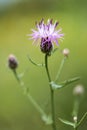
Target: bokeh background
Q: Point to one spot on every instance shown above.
(17, 17)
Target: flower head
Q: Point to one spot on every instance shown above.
(47, 35)
(12, 62)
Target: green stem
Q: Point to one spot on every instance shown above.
(75, 112)
(46, 65)
(16, 75)
(76, 108)
(26, 92)
(35, 104)
(82, 119)
(75, 128)
(60, 69)
(52, 93)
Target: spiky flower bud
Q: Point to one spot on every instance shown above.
(66, 52)
(12, 62)
(46, 45)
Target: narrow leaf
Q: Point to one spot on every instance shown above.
(69, 81)
(66, 122)
(35, 63)
(63, 84)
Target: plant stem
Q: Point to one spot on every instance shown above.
(60, 69)
(76, 108)
(35, 104)
(75, 128)
(82, 119)
(26, 92)
(52, 93)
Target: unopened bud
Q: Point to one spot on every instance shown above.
(46, 46)
(12, 62)
(78, 90)
(75, 118)
(66, 52)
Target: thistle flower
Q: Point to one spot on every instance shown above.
(47, 35)
(12, 62)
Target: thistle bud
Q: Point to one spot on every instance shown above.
(66, 52)
(78, 90)
(46, 46)
(12, 62)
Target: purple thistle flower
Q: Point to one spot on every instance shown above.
(47, 35)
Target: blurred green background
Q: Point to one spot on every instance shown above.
(17, 17)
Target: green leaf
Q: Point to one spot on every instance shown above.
(63, 84)
(34, 62)
(69, 81)
(67, 122)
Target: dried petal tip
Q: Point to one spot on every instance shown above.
(66, 52)
(12, 62)
(78, 90)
